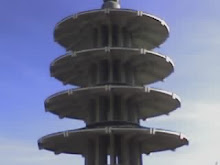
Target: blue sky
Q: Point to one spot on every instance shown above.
(27, 48)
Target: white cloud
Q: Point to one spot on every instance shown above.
(24, 153)
(202, 125)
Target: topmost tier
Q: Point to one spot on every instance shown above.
(111, 27)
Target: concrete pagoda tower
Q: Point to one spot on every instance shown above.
(109, 58)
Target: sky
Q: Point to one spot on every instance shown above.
(27, 48)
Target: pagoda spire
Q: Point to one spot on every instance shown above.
(111, 4)
(110, 59)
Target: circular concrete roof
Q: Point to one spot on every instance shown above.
(74, 32)
(76, 141)
(149, 67)
(75, 103)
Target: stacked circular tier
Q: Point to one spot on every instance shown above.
(109, 58)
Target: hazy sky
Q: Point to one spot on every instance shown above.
(27, 48)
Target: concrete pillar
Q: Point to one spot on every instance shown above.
(92, 116)
(119, 150)
(112, 150)
(109, 35)
(125, 152)
(95, 37)
(132, 154)
(117, 71)
(126, 38)
(116, 36)
(129, 40)
(97, 151)
(132, 77)
(92, 75)
(122, 72)
(90, 154)
(124, 111)
(86, 160)
(100, 151)
(97, 109)
(98, 80)
(138, 154)
(99, 37)
(111, 107)
(135, 153)
(135, 113)
(128, 74)
(104, 108)
(110, 69)
(120, 37)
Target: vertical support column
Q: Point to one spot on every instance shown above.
(95, 37)
(99, 37)
(129, 40)
(117, 71)
(140, 155)
(132, 78)
(130, 110)
(103, 71)
(97, 109)
(120, 37)
(109, 35)
(125, 152)
(110, 69)
(90, 155)
(119, 150)
(104, 108)
(132, 154)
(117, 108)
(115, 36)
(135, 113)
(128, 73)
(97, 155)
(111, 107)
(112, 149)
(92, 74)
(86, 160)
(126, 38)
(98, 73)
(100, 151)
(122, 70)
(124, 111)
(91, 112)
(137, 154)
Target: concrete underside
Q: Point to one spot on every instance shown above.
(132, 103)
(142, 30)
(77, 141)
(142, 66)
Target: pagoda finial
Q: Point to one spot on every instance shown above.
(111, 4)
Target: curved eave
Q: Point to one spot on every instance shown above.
(75, 142)
(149, 66)
(141, 25)
(111, 10)
(74, 103)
